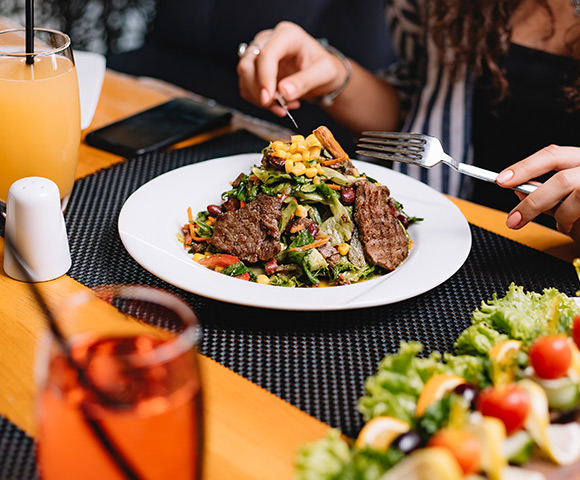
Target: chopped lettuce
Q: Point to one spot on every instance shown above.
(518, 315)
(400, 378)
(332, 459)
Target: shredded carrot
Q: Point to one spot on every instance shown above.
(193, 228)
(252, 178)
(296, 228)
(333, 186)
(314, 244)
(242, 204)
(191, 225)
(333, 161)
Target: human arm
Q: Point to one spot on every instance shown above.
(559, 196)
(296, 65)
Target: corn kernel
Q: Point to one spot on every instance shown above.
(306, 155)
(319, 169)
(310, 172)
(296, 138)
(210, 221)
(292, 148)
(343, 248)
(312, 141)
(316, 180)
(198, 256)
(288, 165)
(263, 279)
(219, 269)
(301, 211)
(297, 157)
(301, 146)
(278, 145)
(280, 153)
(314, 152)
(298, 169)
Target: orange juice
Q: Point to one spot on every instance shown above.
(40, 121)
(152, 412)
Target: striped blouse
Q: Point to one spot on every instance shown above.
(431, 103)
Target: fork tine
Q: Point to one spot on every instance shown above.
(409, 153)
(384, 142)
(385, 156)
(416, 137)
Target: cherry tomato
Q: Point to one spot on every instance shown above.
(463, 445)
(219, 260)
(576, 330)
(551, 356)
(509, 403)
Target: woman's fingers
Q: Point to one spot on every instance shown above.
(559, 196)
(551, 158)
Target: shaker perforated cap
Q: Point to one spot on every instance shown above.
(36, 247)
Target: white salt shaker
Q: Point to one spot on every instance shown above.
(35, 232)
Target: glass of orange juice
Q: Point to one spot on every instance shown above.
(39, 99)
(120, 398)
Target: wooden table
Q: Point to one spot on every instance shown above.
(251, 434)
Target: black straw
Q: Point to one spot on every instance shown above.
(29, 31)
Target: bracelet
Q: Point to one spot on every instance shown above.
(328, 99)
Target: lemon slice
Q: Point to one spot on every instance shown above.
(432, 463)
(574, 370)
(503, 358)
(491, 434)
(560, 442)
(517, 473)
(380, 432)
(435, 388)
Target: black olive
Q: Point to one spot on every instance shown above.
(468, 392)
(407, 442)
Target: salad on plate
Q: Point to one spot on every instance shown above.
(508, 394)
(304, 217)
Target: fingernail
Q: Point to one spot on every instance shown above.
(265, 96)
(513, 220)
(504, 176)
(289, 91)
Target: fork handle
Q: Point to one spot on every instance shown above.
(489, 176)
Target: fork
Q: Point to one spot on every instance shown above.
(423, 150)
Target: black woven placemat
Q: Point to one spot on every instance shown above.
(315, 360)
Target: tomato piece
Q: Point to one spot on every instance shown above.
(509, 403)
(244, 276)
(576, 330)
(551, 356)
(220, 260)
(463, 445)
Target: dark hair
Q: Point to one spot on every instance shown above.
(478, 34)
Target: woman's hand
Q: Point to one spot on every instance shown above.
(290, 62)
(559, 196)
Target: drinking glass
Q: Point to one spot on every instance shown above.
(128, 404)
(39, 99)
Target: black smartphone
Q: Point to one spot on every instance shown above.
(159, 127)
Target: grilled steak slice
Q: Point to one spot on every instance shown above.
(384, 239)
(251, 232)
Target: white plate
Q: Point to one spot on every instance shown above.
(90, 72)
(153, 215)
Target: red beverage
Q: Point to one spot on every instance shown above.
(146, 396)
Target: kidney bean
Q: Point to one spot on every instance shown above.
(313, 229)
(277, 162)
(231, 204)
(347, 195)
(271, 266)
(214, 210)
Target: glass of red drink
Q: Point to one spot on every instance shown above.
(121, 399)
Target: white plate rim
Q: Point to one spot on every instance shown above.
(151, 217)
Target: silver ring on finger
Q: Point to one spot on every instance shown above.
(252, 48)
